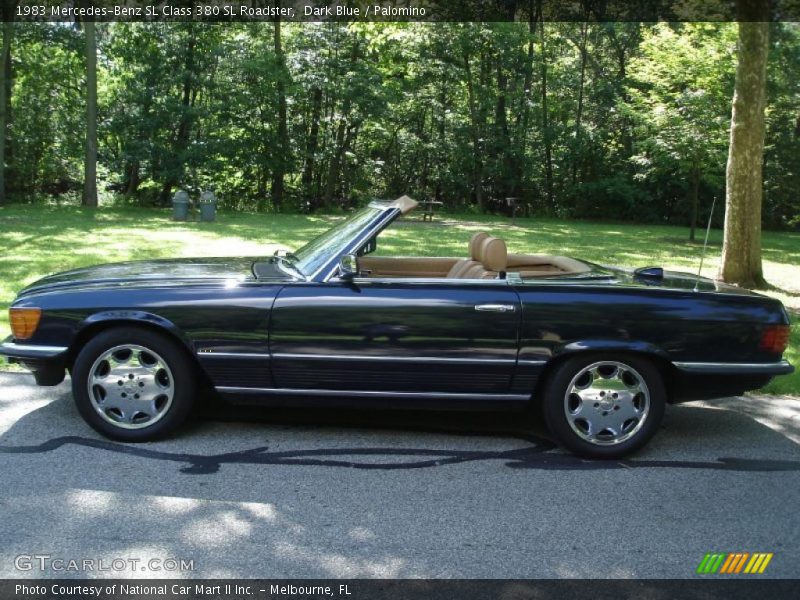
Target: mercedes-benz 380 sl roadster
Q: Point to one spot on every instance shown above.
(599, 350)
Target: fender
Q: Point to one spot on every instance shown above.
(134, 317)
(532, 368)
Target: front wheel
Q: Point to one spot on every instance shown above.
(133, 385)
(604, 407)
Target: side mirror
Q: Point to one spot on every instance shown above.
(348, 267)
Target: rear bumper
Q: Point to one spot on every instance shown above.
(46, 362)
(771, 369)
(706, 381)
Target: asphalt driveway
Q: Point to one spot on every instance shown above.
(314, 494)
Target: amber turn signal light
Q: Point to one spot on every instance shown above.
(775, 338)
(24, 322)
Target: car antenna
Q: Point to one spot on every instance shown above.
(705, 245)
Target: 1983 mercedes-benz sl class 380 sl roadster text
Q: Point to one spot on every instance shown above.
(601, 350)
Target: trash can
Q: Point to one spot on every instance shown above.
(180, 206)
(208, 206)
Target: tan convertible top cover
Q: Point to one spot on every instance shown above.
(404, 203)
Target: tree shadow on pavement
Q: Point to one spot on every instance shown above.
(445, 433)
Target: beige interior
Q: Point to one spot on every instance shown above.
(475, 252)
(406, 266)
(488, 257)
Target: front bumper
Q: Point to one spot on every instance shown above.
(25, 352)
(46, 362)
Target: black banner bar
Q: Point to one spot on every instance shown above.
(392, 10)
(744, 588)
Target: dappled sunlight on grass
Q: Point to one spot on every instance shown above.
(37, 241)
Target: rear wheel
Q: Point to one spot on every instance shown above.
(133, 384)
(604, 407)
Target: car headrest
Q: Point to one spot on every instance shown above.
(494, 255)
(475, 245)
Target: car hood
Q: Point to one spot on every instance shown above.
(150, 272)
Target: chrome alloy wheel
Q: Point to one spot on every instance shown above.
(607, 403)
(131, 386)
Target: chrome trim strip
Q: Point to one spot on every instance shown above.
(428, 280)
(213, 354)
(705, 367)
(432, 359)
(372, 394)
(30, 351)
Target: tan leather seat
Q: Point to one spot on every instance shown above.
(494, 260)
(495, 257)
(475, 245)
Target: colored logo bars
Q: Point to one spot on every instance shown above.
(734, 562)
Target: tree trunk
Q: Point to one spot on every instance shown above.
(741, 250)
(90, 165)
(579, 112)
(278, 173)
(8, 32)
(338, 151)
(346, 170)
(189, 95)
(524, 112)
(334, 167)
(477, 161)
(548, 143)
(312, 143)
(502, 135)
(694, 193)
(8, 68)
(134, 178)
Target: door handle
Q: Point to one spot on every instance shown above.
(495, 307)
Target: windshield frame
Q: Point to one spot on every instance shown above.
(326, 250)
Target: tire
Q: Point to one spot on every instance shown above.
(601, 406)
(133, 385)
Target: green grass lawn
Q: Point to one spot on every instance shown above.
(37, 240)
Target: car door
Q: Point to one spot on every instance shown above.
(394, 335)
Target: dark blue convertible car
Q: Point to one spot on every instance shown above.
(600, 350)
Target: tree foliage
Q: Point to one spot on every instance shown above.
(587, 120)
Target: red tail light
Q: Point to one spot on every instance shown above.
(775, 339)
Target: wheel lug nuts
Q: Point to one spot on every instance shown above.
(614, 395)
(141, 384)
(616, 408)
(119, 382)
(124, 395)
(596, 404)
(136, 396)
(605, 412)
(602, 393)
(130, 376)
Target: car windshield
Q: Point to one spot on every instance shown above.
(319, 251)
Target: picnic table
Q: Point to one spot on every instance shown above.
(513, 204)
(429, 208)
